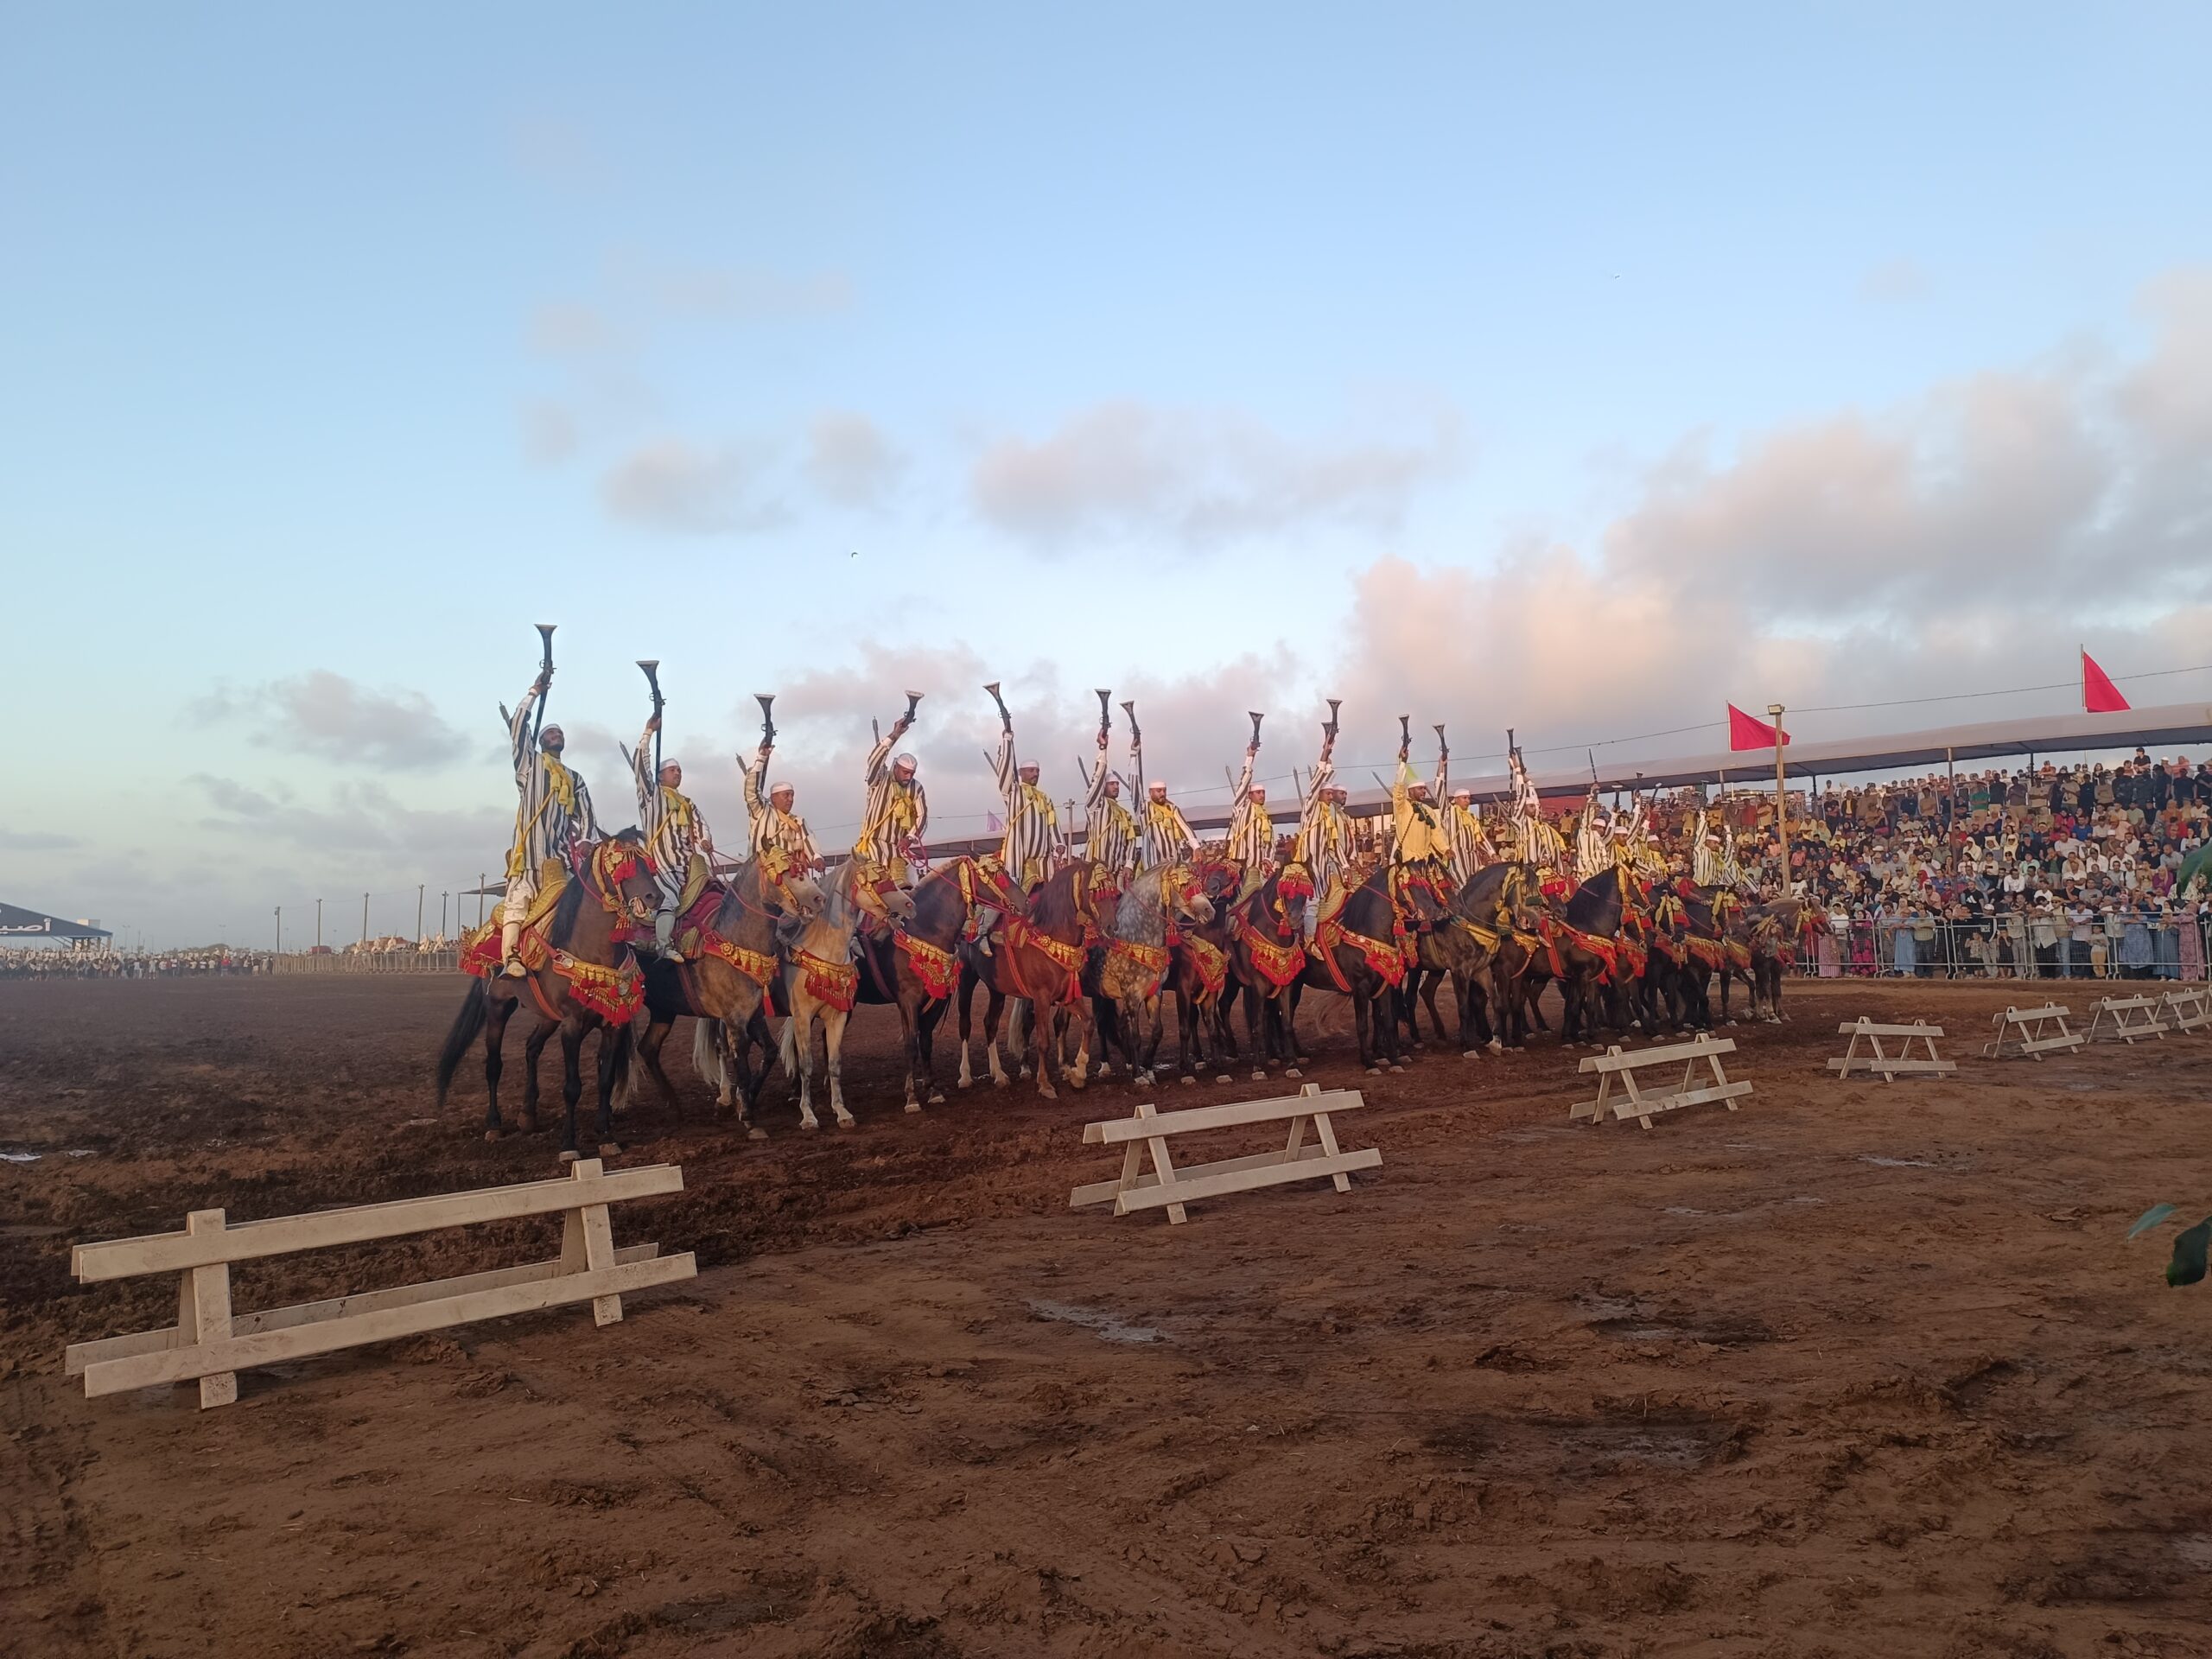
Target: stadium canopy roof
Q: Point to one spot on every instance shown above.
(16, 922)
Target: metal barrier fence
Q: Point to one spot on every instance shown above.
(2005, 947)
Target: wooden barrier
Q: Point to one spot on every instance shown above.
(2023, 1030)
(1167, 1186)
(211, 1343)
(1613, 1064)
(2124, 1019)
(1888, 1065)
(2189, 1008)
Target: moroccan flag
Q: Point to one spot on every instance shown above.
(1746, 733)
(2099, 695)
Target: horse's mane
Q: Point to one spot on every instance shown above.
(1058, 901)
(1596, 903)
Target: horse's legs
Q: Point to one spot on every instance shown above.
(799, 1032)
(533, 1045)
(925, 1042)
(994, 1011)
(611, 1038)
(572, 1080)
(1255, 1033)
(1359, 1020)
(1038, 1038)
(495, 1030)
(964, 993)
(649, 1052)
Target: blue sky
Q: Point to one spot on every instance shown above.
(1233, 355)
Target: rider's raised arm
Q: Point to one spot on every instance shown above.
(519, 732)
(1009, 770)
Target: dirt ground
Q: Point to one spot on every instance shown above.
(1860, 1369)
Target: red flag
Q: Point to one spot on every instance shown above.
(1746, 733)
(2099, 695)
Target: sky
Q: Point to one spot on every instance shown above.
(1577, 370)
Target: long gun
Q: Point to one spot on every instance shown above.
(766, 700)
(545, 669)
(651, 667)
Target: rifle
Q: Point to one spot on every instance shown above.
(537, 720)
(1105, 719)
(767, 717)
(652, 666)
(1330, 730)
(992, 688)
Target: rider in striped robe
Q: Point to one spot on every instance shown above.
(775, 824)
(554, 814)
(676, 840)
(1109, 829)
(1251, 832)
(1033, 829)
(1324, 836)
(897, 809)
(1462, 833)
(1168, 835)
(1593, 847)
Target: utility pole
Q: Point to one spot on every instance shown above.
(318, 924)
(280, 929)
(480, 898)
(441, 914)
(364, 918)
(1780, 796)
(419, 886)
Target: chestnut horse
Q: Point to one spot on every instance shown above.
(915, 967)
(1038, 958)
(1266, 955)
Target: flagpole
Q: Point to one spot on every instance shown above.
(1780, 796)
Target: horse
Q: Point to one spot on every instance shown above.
(1362, 950)
(725, 983)
(1489, 908)
(914, 965)
(1037, 959)
(820, 983)
(1124, 972)
(1714, 944)
(1581, 955)
(1266, 954)
(1769, 928)
(1198, 973)
(586, 979)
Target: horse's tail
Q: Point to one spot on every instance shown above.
(787, 1052)
(466, 1025)
(707, 1052)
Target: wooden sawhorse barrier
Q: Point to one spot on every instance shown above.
(1613, 1064)
(1886, 1066)
(2021, 1031)
(1166, 1186)
(2189, 1008)
(2124, 1019)
(211, 1343)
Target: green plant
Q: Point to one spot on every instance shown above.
(2187, 1267)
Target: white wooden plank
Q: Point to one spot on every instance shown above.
(328, 1335)
(1685, 1097)
(1231, 1115)
(81, 1354)
(1892, 1062)
(2041, 1045)
(1656, 1056)
(1868, 1028)
(2048, 1011)
(280, 1236)
(1107, 1192)
(1244, 1181)
(209, 1320)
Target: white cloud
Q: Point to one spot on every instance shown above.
(326, 714)
(549, 433)
(672, 485)
(849, 461)
(1129, 469)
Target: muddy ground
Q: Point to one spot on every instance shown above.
(1860, 1369)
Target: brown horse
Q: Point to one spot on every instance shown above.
(1363, 951)
(1266, 955)
(1127, 968)
(1038, 958)
(1716, 940)
(725, 984)
(1579, 939)
(1198, 973)
(1471, 945)
(583, 978)
(916, 967)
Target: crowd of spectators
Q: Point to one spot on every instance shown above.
(47, 962)
(2038, 873)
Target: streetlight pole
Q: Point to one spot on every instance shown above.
(318, 924)
(280, 929)
(364, 918)
(479, 899)
(1781, 795)
(419, 886)
(441, 914)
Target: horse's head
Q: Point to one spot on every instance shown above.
(788, 886)
(1185, 892)
(620, 877)
(1418, 894)
(1286, 897)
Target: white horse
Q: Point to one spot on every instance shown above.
(820, 981)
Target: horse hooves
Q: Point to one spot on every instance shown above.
(1293, 1072)
(1188, 1080)
(936, 1096)
(965, 1082)
(1397, 1068)
(1471, 1054)
(1374, 1070)
(913, 1106)
(809, 1124)
(753, 1134)
(610, 1148)
(491, 1137)
(1495, 1046)
(997, 1083)
(1258, 1076)
(571, 1155)
(1048, 1092)
(1224, 1077)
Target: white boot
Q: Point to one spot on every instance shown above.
(663, 934)
(511, 950)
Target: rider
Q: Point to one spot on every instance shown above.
(676, 840)
(1463, 831)
(1168, 837)
(1109, 829)
(553, 815)
(1033, 829)
(1593, 848)
(1325, 836)
(1251, 832)
(1418, 836)
(775, 824)
(897, 809)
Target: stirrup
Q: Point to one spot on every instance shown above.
(513, 968)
